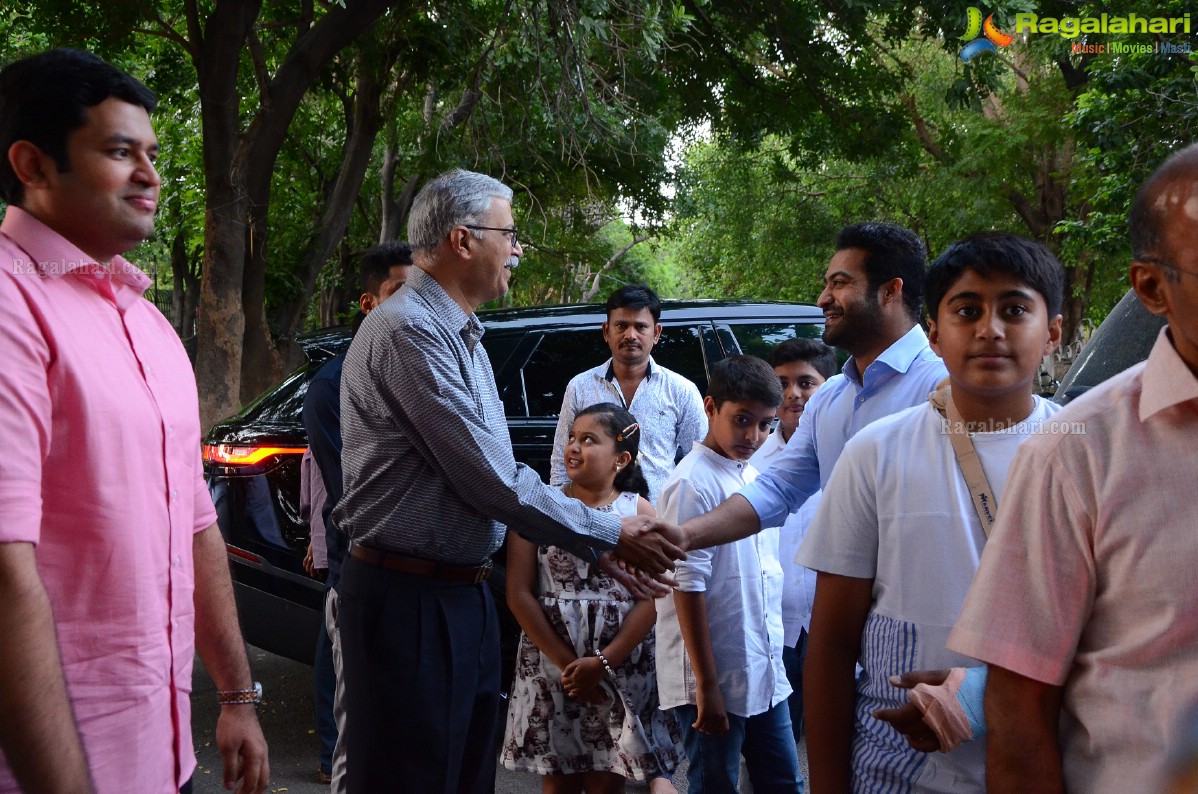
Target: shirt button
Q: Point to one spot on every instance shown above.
(178, 561)
(174, 494)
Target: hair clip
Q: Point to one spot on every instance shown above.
(628, 432)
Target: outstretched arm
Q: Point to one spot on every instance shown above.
(38, 733)
(218, 641)
(731, 520)
(651, 545)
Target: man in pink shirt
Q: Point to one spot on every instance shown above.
(1085, 604)
(112, 569)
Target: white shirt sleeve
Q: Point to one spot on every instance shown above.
(680, 501)
(692, 419)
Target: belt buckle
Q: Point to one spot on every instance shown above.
(483, 572)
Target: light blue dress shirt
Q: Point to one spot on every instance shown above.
(900, 378)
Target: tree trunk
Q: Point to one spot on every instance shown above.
(185, 289)
(237, 358)
(339, 205)
(216, 55)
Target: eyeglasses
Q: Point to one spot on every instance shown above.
(1152, 260)
(514, 232)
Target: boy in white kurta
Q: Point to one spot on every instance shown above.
(719, 636)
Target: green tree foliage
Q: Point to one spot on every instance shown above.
(562, 100)
(1137, 109)
(1036, 139)
(296, 133)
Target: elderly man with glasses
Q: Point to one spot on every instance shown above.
(430, 482)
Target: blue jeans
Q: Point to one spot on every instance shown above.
(766, 742)
(792, 660)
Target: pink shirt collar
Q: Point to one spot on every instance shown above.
(1167, 381)
(53, 255)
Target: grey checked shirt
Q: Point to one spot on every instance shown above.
(428, 462)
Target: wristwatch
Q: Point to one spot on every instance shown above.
(240, 697)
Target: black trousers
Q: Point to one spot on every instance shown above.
(421, 683)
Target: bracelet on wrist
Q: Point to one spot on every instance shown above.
(239, 697)
(603, 661)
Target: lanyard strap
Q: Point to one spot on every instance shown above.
(967, 456)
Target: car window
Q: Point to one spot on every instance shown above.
(758, 339)
(560, 355)
(680, 349)
(500, 348)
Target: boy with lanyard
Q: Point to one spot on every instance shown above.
(904, 518)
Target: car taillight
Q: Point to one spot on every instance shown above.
(232, 455)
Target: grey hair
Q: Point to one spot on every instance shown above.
(454, 198)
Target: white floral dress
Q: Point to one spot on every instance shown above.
(549, 732)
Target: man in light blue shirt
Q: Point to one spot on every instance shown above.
(872, 300)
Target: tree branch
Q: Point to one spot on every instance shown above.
(921, 130)
(258, 59)
(593, 290)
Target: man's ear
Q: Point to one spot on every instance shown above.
(29, 163)
(891, 291)
(934, 337)
(460, 241)
(709, 408)
(1148, 280)
(366, 302)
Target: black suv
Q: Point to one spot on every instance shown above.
(252, 461)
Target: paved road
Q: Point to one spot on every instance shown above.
(288, 723)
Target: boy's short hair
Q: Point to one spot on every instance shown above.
(890, 252)
(635, 297)
(744, 378)
(377, 262)
(820, 356)
(998, 252)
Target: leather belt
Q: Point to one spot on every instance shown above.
(401, 563)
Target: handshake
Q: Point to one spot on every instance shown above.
(648, 546)
(645, 554)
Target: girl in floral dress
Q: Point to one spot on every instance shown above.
(584, 712)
